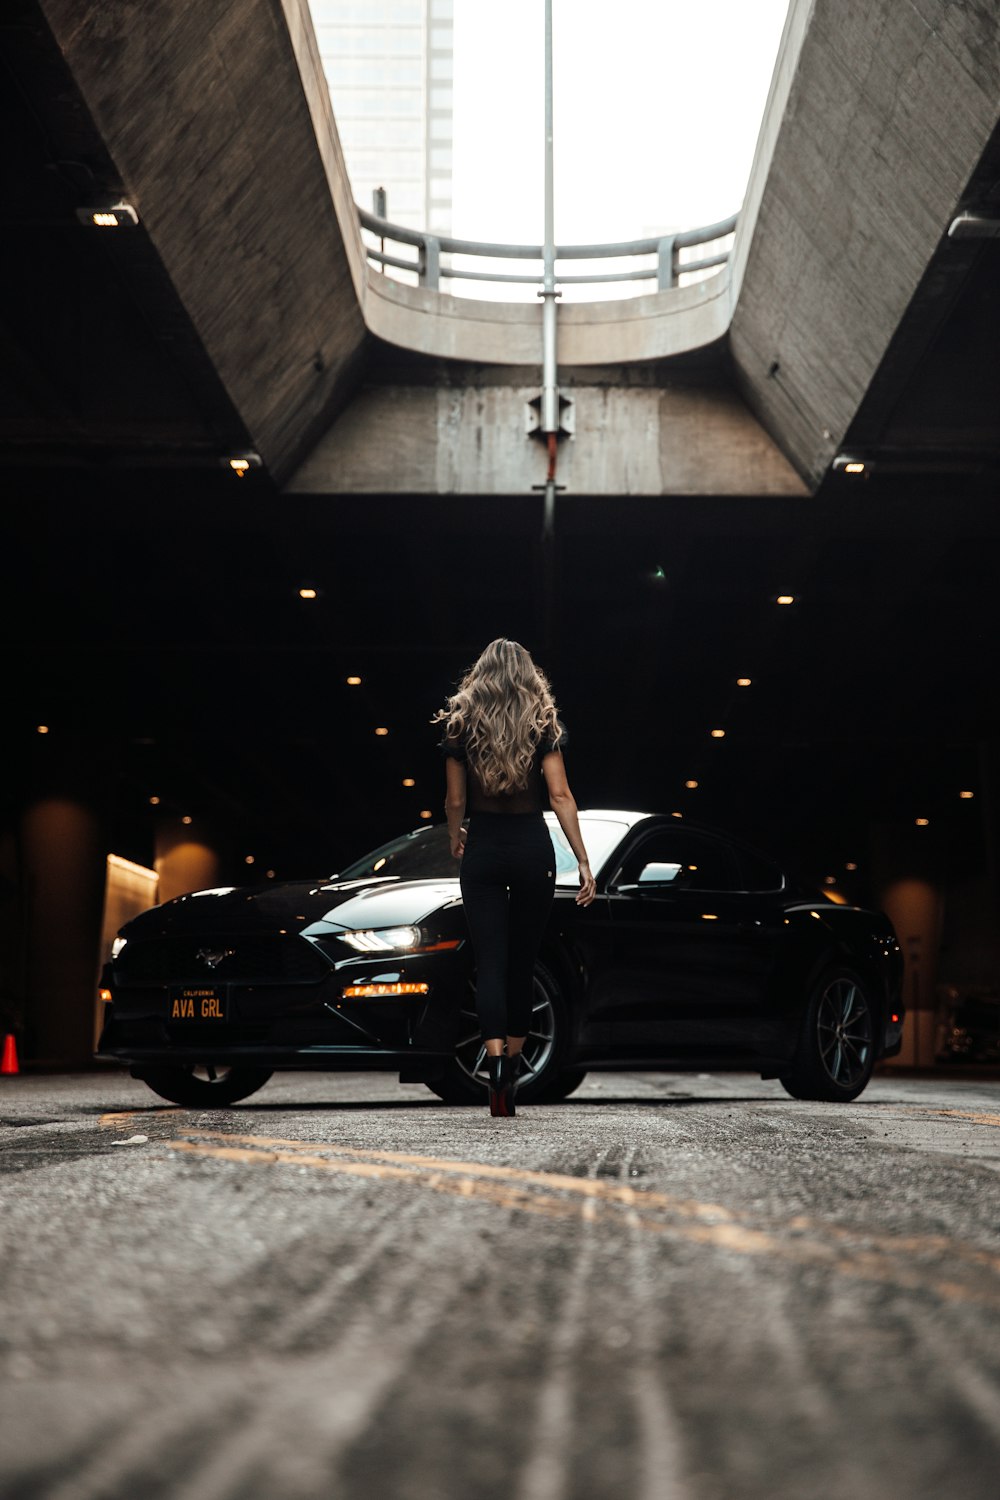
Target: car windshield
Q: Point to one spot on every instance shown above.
(425, 854)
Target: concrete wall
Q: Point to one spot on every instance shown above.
(878, 114)
(204, 112)
(471, 439)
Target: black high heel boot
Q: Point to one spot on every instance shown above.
(513, 1061)
(498, 1067)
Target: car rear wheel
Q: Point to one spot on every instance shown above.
(466, 1078)
(836, 1051)
(207, 1085)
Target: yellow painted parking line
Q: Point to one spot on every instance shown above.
(588, 1187)
(975, 1116)
(879, 1258)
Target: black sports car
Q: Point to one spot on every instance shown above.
(698, 951)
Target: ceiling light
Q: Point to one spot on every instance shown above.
(186, 820)
(966, 796)
(830, 880)
(44, 729)
(308, 594)
(922, 822)
(426, 813)
(850, 865)
(269, 874)
(408, 781)
(743, 681)
(971, 226)
(248, 860)
(785, 599)
(115, 216)
(381, 729)
(848, 463)
(691, 785)
(677, 815)
(240, 463)
(154, 801)
(718, 734)
(353, 681)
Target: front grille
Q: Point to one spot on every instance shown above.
(255, 959)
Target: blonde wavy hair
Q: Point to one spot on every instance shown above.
(505, 707)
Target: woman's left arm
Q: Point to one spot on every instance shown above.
(454, 804)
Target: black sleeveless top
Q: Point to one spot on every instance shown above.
(524, 800)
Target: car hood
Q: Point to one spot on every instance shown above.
(299, 906)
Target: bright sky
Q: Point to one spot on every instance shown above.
(657, 108)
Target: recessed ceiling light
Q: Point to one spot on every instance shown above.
(677, 815)
(850, 865)
(249, 860)
(785, 599)
(408, 781)
(966, 795)
(830, 880)
(381, 729)
(691, 785)
(42, 728)
(154, 801)
(269, 874)
(718, 734)
(186, 820)
(353, 681)
(743, 681)
(308, 594)
(922, 822)
(425, 812)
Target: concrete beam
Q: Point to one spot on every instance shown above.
(470, 439)
(877, 116)
(208, 112)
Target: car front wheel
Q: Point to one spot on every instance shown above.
(466, 1077)
(205, 1085)
(836, 1049)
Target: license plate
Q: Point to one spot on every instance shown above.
(197, 1002)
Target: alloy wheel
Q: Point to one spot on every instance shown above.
(844, 1032)
(470, 1053)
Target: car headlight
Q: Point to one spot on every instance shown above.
(117, 946)
(383, 939)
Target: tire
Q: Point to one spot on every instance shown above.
(464, 1081)
(205, 1086)
(836, 1049)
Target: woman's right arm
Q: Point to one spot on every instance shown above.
(563, 805)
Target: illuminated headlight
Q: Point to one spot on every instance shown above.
(117, 946)
(368, 940)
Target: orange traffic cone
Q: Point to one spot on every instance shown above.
(8, 1064)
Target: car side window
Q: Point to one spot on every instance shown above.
(680, 857)
(759, 874)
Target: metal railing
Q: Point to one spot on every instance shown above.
(430, 270)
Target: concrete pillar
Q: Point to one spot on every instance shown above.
(63, 866)
(916, 908)
(906, 863)
(184, 860)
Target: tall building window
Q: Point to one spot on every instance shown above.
(389, 66)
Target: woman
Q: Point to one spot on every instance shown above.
(502, 739)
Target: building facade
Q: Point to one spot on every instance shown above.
(389, 67)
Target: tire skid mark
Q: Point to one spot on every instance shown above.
(545, 1474)
(602, 1201)
(661, 1470)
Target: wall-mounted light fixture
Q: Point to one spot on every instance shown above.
(111, 216)
(975, 226)
(241, 463)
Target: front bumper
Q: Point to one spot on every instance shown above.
(303, 1025)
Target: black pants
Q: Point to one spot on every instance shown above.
(508, 877)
